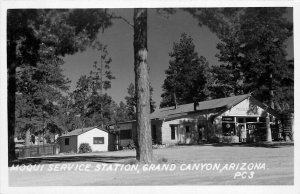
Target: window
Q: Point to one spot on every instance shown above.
(228, 129)
(67, 141)
(98, 140)
(240, 120)
(125, 134)
(187, 129)
(251, 119)
(262, 119)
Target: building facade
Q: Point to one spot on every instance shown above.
(233, 119)
(98, 139)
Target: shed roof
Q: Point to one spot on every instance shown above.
(204, 105)
(80, 131)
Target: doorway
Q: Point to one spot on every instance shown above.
(242, 132)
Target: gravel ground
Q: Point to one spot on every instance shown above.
(180, 165)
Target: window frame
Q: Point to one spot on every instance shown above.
(97, 142)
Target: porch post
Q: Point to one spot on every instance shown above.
(195, 131)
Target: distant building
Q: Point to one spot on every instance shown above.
(99, 139)
(218, 120)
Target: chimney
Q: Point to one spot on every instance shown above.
(196, 104)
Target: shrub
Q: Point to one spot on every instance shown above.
(131, 145)
(85, 148)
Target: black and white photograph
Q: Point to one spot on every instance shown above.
(185, 96)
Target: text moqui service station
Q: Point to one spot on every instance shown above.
(92, 167)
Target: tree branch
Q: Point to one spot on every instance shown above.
(124, 19)
(112, 16)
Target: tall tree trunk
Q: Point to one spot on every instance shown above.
(144, 151)
(11, 100)
(27, 137)
(269, 131)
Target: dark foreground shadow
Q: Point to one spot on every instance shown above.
(258, 144)
(61, 159)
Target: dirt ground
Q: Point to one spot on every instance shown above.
(194, 165)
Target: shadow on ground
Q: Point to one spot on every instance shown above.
(258, 144)
(60, 159)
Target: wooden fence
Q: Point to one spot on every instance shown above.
(37, 150)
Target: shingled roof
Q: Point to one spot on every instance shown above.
(80, 131)
(183, 109)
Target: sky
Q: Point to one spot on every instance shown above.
(162, 33)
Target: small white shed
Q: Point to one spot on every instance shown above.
(99, 139)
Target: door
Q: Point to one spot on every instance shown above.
(251, 128)
(174, 132)
(242, 132)
(188, 130)
(181, 134)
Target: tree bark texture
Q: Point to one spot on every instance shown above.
(11, 100)
(143, 130)
(269, 131)
(27, 137)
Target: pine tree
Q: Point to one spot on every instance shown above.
(253, 54)
(186, 78)
(36, 35)
(90, 104)
(142, 134)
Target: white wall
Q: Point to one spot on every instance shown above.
(180, 136)
(88, 137)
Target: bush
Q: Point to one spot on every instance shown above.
(85, 148)
(131, 145)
